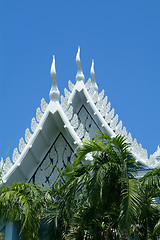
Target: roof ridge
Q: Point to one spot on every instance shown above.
(7, 163)
(102, 107)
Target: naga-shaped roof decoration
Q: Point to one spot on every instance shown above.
(66, 113)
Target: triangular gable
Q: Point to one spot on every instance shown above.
(52, 123)
(60, 127)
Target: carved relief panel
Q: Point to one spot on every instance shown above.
(55, 160)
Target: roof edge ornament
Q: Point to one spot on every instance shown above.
(92, 72)
(79, 75)
(54, 94)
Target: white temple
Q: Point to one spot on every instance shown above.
(63, 124)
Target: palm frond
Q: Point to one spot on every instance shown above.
(130, 204)
(151, 182)
(88, 147)
(156, 231)
(24, 202)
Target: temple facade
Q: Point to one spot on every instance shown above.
(59, 127)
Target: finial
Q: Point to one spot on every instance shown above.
(80, 75)
(54, 92)
(92, 72)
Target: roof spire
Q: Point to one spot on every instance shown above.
(54, 92)
(80, 75)
(92, 72)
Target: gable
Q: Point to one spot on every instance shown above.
(62, 125)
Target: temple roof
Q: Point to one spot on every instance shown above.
(65, 114)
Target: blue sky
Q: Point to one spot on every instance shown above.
(122, 36)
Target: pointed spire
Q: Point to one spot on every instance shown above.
(92, 72)
(54, 92)
(80, 75)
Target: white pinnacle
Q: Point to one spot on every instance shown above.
(54, 92)
(92, 72)
(80, 75)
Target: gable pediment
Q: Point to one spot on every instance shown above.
(65, 123)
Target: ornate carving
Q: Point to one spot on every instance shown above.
(91, 91)
(129, 137)
(89, 125)
(7, 165)
(152, 162)
(103, 111)
(109, 116)
(80, 131)
(95, 97)
(70, 85)
(74, 121)
(108, 107)
(86, 137)
(33, 124)
(111, 113)
(135, 146)
(64, 103)
(145, 153)
(69, 113)
(55, 160)
(124, 132)
(39, 114)
(88, 84)
(156, 154)
(43, 105)
(114, 122)
(22, 144)
(99, 104)
(138, 149)
(101, 95)
(119, 127)
(66, 93)
(15, 155)
(105, 101)
(28, 135)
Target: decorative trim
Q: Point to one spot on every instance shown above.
(7, 165)
(28, 135)
(51, 164)
(70, 85)
(15, 155)
(34, 124)
(43, 105)
(88, 84)
(39, 114)
(22, 144)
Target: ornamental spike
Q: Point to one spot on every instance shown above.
(54, 92)
(80, 75)
(92, 72)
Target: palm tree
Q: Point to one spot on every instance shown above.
(22, 203)
(149, 215)
(97, 199)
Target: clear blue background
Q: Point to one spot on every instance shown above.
(122, 36)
